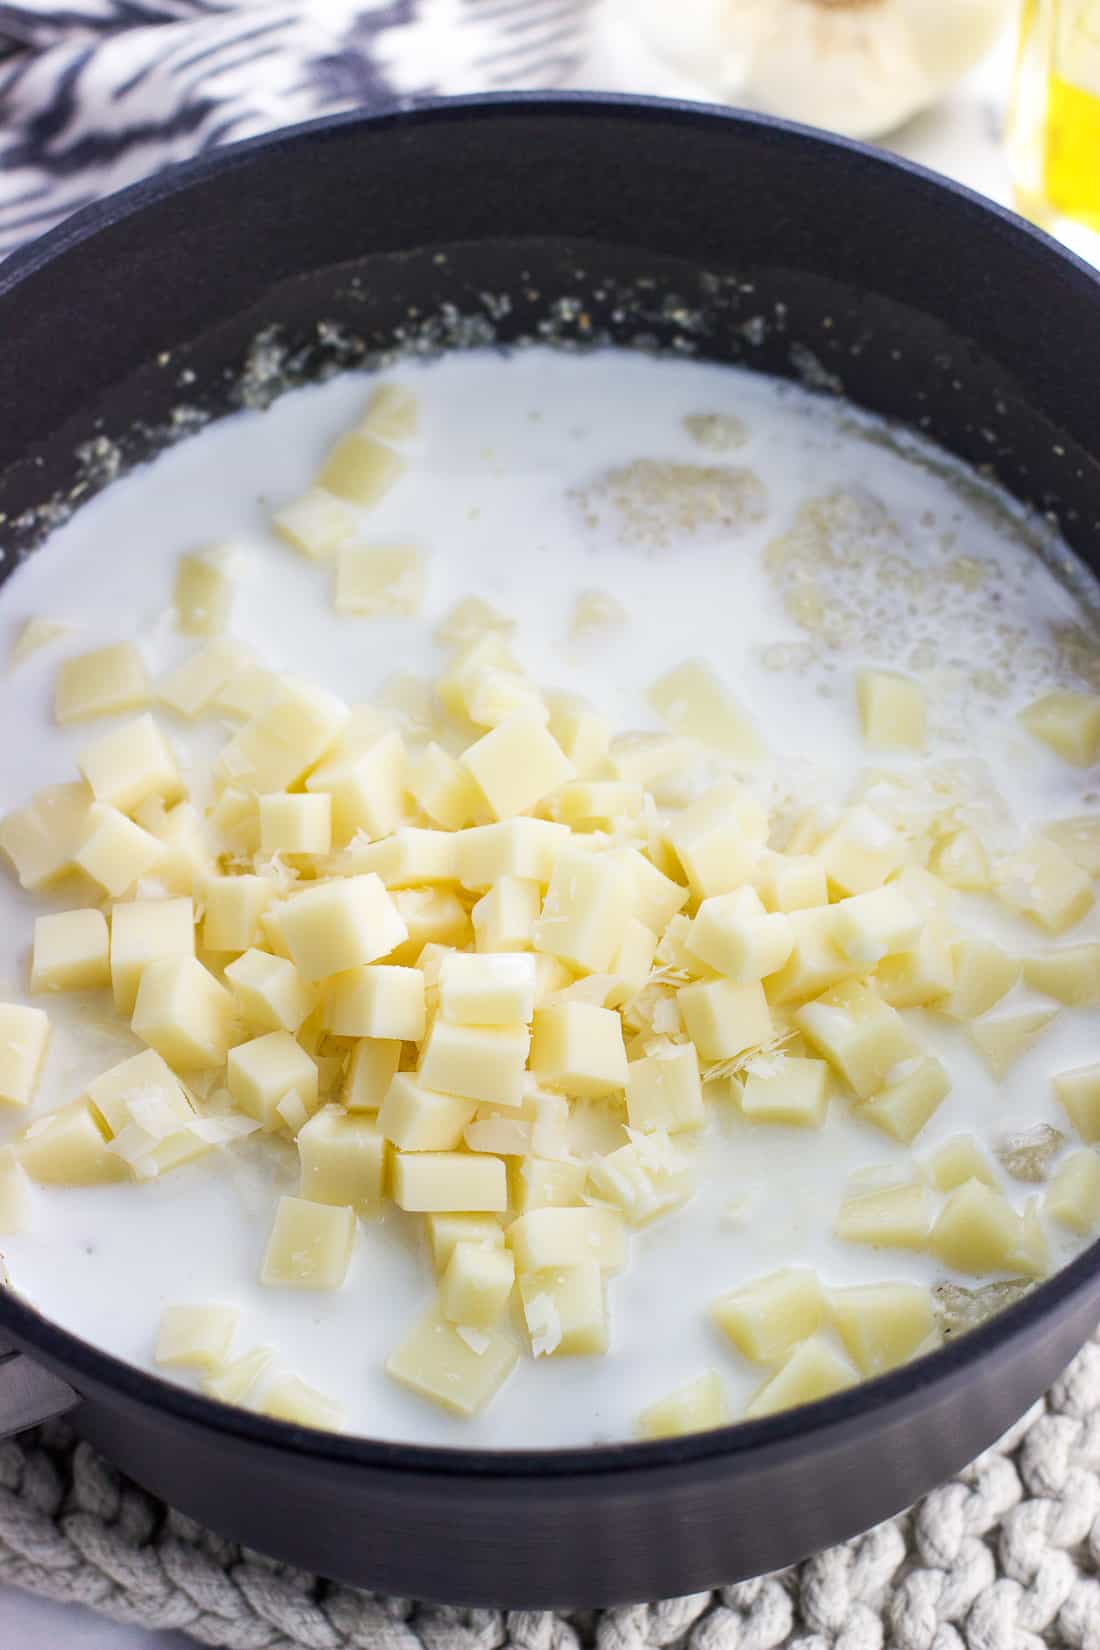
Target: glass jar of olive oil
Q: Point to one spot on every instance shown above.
(1054, 129)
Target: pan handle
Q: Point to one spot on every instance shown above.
(28, 1393)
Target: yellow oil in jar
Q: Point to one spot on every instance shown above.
(1055, 128)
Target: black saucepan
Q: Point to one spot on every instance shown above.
(738, 239)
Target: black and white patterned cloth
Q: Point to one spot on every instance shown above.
(95, 94)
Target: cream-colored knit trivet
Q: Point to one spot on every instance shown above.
(1005, 1557)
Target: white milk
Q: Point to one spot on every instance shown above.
(490, 492)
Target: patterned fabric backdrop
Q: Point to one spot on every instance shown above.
(97, 93)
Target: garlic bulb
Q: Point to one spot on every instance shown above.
(860, 67)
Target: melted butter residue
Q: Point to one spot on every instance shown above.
(654, 504)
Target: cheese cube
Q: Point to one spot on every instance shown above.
(41, 840)
(578, 1049)
(443, 789)
(296, 824)
(795, 1093)
(565, 1311)
(1001, 1039)
(691, 700)
(516, 764)
(642, 758)
(285, 740)
(418, 1119)
(232, 1382)
(663, 1090)
(504, 919)
(582, 735)
(882, 1325)
(116, 852)
(487, 654)
(271, 994)
(697, 1406)
(380, 580)
(437, 1362)
(962, 862)
(360, 469)
(1071, 975)
(596, 613)
(477, 1062)
(1078, 837)
(262, 1072)
(432, 916)
(552, 976)
(126, 1092)
(546, 1183)
(862, 1037)
(719, 840)
(1078, 1092)
(596, 804)
(978, 1231)
(1069, 723)
(632, 963)
(723, 1019)
(334, 926)
(1073, 1196)
(128, 764)
(316, 523)
(656, 898)
(493, 696)
(35, 634)
(959, 1160)
(765, 1318)
(791, 882)
(343, 1161)
(899, 1217)
(431, 1182)
(923, 975)
(904, 1105)
(203, 594)
(814, 964)
(287, 1398)
(410, 858)
(983, 975)
(891, 710)
(145, 931)
(247, 692)
(367, 788)
(868, 927)
(376, 1001)
(860, 852)
(195, 1337)
(470, 619)
(24, 1033)
(71, 952)
(644, 1179)
(68, 1147)
(736, 936)
(486, 989)
(445, 1231)
(183, 1012)
(16, 1207)
(370, 1072)
(235, 821)
(233, 908)
(100, 683)
(310, 1245)
(814, 1370)
(558, 1236)
(476, 1285)
(514, 848)
(393, 413)
(1042, 882)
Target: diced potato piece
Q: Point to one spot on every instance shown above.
(553, 1237)
(195, 1337)
(316, 523)
(1042, 882)
(1078, 837)
(367, 788)
(891, 710)
(445, 1231)
(261, 1073)
(441, 1182)
(435, 1361)
(983, 975)
(68, 1147)
(514, 848)
(298, 824)
(898, 1217)
(100, 683)
(310, 1245)
(233, 1382)
(578, 1049)
(925, 974)
(372, 1068)
(904, 1105)
(470, 619)
(862, 1037)
(1073, 1196)
(860, 852)
(546, 1183)
(697, 1406)
(41, 840)
(184, 1013)
(796, 1093)
(376, 1000)
(734, 935)
(1069, 723)
(663, 1090)
(380, 580)
(791, 882)
(1071, 975)
(565, 1311)
(477, 1062)
(814, 1370)
(978, 1231)
(287, 1398)
(116, 852)
(393, 413)
(128, 764)
(765, 1318)
(145, 931)
(419, 1119)
(516, 764)
(71, 951)
(723, 1019)
(1001, 1039)
(335, 926)
(815, 964)
(476, 1285)
(962, 862)
(360, 469)
(15, 1194)
(1078, 1091)
(487, 990)
(24, 1033)
(343, 1161)
(440, 785)
(882, 1325)
(271, 994)
(691, 700)
(644, 1179)
(868, 927)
